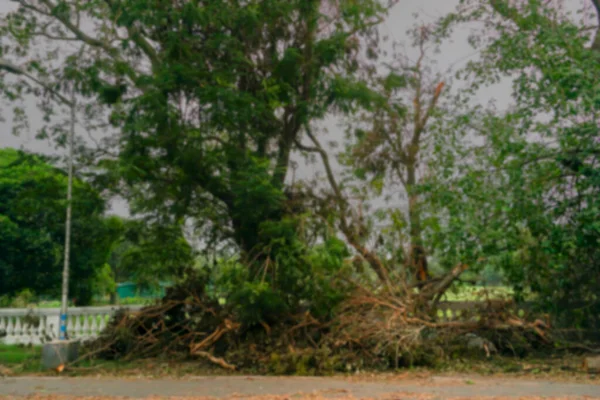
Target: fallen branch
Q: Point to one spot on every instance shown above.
(580, 347)
(212, 338)
(444, 283)
(5, 371)
(216, 360)
(308, 320)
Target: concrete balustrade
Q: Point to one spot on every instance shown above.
(39, 325)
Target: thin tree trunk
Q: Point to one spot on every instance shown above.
(113, 298)
(418, 258)
(596, 43)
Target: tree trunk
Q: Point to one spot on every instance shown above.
(113, 298)
(115, 274)
(255, 244)
(418, 257)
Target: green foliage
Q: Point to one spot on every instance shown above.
(148, 254)
(328, 270)
(526, 202)
(22, 299)
(105, 282)
(209, 98)
(209, 101)
(294, 279)
(32, 223)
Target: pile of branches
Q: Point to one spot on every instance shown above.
(186, 320)
(380, 328)
(405, 329)
(188, 324)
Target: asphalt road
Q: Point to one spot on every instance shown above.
(239, 386)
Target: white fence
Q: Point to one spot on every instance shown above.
(38, 325)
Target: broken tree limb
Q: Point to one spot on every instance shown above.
(444, 283)
(213, 337)
(341, 202)
(216, 360)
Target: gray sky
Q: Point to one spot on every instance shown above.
(400, 20)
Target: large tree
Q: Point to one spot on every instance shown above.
(32, 229)
(209, 98)
(527, 201)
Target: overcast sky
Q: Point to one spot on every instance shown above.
(400, 20)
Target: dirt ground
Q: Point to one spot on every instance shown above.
(280, 388)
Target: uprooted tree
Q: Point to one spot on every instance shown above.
(389, 148)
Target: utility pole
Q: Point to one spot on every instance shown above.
(13, 69)
(65, 277)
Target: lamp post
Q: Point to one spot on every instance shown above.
(11, 68)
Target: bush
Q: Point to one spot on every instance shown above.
(23, 299)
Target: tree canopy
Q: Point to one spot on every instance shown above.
(32, 215)
(209, 98)
(526, 200)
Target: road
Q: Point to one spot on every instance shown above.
(291, 387)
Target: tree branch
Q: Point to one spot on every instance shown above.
(444, 283)
(80, 35)
(76, 31)
(139, 40)
(596, 43)
(371, 258)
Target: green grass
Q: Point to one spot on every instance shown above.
(477, 293)
(21, 358)
(131, 301)
(26, 360)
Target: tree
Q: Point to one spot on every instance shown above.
(209, 97)
(32, 220)
(528, 201)
(148, 255)
(392, 144)
(392, 137)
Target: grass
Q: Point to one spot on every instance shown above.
(24, 359)
(131, 301)
(11, 354)
(476, 293)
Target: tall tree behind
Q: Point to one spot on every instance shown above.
(528, 201)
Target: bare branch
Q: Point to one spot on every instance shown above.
(369, 256)
(89, 40)
(76, 31)
(596, 43)
(444, 283)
